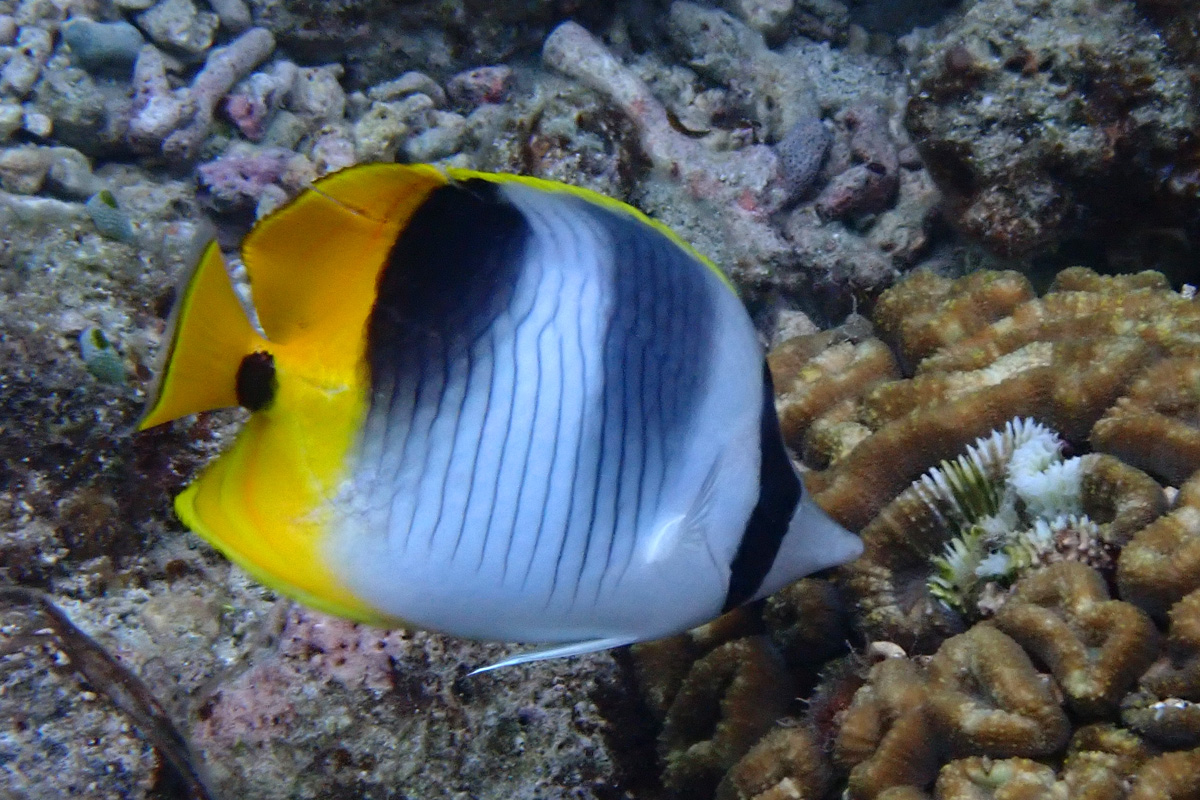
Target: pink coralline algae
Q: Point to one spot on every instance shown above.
(235, 181)
(252, 102)
(351, 654)
(480, 85)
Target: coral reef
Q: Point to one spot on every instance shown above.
(886, 735)
(316, 711)
(1154, 426)
(1048, 123)
(801, 152)
(1162, 562)
(1173, 776)
(1101, 760)
(868, 185)
(987, 696)
(1001, 779)
(851, 252)
(769, 134)
(1095, 647)
(72, 649)
(1177, 673)
(808, 621)
(1167, 709)
(787, 762)
(179, 121)
(992, 544)
(726, 702)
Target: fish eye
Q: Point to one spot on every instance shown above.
(256, 383)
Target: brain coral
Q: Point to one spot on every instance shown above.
(1026, 538)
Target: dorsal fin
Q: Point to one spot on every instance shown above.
(604, 201)
(313, 264)
(210, 335)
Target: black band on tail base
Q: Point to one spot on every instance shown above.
(779, 494)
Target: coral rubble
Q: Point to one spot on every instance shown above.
(1046, 122)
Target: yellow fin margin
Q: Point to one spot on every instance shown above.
(602, 200)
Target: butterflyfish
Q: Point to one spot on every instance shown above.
(493, 406)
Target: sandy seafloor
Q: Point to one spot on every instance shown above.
(819, 151)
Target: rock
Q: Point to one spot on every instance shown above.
(1009, 115)
(379, 132)
(317, 95)
(444, 139)
(19, 75)
(768, 17)
(776, 87)
(86, 113)
(801, 152)
(255, 99)
(180, 26)
(35, 42)
(408, 83)
(235, 181)
(284, 130)
(480, 85)
(822, 20)
(234, 14)
(70, 175)
(24, 170)
(11, 116)
(8, 30)
(36, 123)
(333, 150)
(101, 47)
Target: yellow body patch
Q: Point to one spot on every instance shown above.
(313, 266)
(265, 503)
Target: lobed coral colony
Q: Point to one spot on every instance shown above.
(1025, 620)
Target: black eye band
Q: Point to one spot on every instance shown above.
(256, 384)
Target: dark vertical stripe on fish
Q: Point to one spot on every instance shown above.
(779, 494)
(451, 272)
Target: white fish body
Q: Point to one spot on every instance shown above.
(491, 406)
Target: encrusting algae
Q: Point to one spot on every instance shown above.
(1029, 502)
